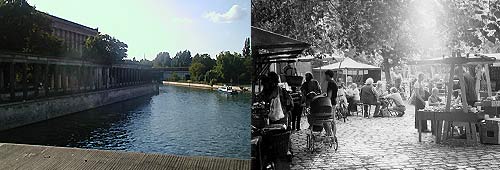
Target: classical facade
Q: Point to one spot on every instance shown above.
(72, 34)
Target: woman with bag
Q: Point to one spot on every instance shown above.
(417, 99)
(279, 101)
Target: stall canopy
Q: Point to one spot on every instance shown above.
(269, 47)
(350, 71)
(348, 63)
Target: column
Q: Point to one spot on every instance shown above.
(12, 80)
(108, 78)
(24, 71)
(46, 79)
(58, 78)
(52, 78)
(2, 81)
(37, 77)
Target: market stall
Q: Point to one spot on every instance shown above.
(271, 142)
(468, 116)
(347, 67)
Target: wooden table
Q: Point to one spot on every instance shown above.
(437, 118)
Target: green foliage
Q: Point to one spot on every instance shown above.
(311, 21)
(105, 49)
(230, 66)
(162, 60)
(174, 77)
(146, 62)
(200, 65)
(196, 71)
(212, 76)
(182, 59)
(24, 29)
(246, 48)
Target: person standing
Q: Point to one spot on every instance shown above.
(419, 99)
(310, 85)
(368, 96)
(331, 93)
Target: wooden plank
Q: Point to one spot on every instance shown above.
(462, 87)
(19, 156)
(478, 80)
(488, 81)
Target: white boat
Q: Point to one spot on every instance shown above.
(227, 89)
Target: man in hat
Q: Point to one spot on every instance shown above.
(368, 96)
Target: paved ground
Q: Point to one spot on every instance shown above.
(20, 156)
(391, 143)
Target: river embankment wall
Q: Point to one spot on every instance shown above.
(22, 113)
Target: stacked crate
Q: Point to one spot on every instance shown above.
(489, 132)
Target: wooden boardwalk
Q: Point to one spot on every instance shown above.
(20, 156)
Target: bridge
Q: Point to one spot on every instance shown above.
(167, 72)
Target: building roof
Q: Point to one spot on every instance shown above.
(72, 24)
(348, 63)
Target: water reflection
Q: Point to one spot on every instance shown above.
(179, 120)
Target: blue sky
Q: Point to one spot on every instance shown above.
(152, 26)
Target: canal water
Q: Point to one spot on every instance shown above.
(180, 120)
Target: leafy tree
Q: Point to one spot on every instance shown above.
(182, 59)
(200, 65)
(105, 49)
(174, 77)
(196, 71)
(146, 62)
(245, 77)
(24, 29)
(246, 48)
(162, 60)
(471, 24)
(376, 28)
(204, 59)
(311, 21)
(229, 66)
(212, 76)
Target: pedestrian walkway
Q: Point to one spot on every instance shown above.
(20, 156)
(390, 143)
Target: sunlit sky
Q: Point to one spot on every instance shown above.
(152, 26)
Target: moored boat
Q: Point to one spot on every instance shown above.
(227, 89)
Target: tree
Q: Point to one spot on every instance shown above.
(24, 29)
(212, 76)
(376, 28)
(182, 59)
(204, 59)
(175, 77)
(200, 65)
(162, 60)
(146, 62)
(229, 66)
(311, 21)
(105, 49)
(473, 25)
(245, 77)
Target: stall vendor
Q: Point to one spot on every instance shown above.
(279, 100)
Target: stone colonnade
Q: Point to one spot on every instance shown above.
(26, 78)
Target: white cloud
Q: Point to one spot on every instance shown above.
(233, 14)
(177, 20)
